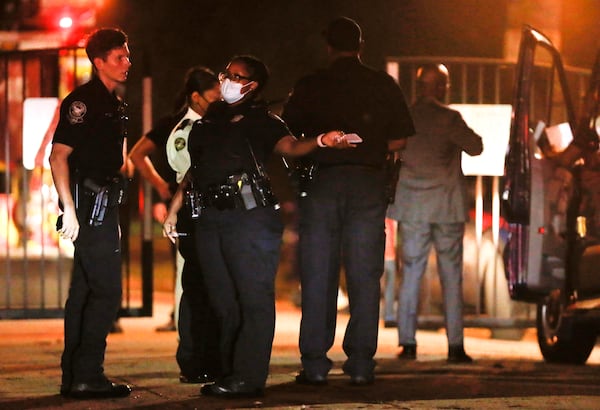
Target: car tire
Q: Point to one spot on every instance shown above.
(561, 339)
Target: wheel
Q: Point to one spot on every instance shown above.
(561, 339)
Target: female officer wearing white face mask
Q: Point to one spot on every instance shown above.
(237, 224)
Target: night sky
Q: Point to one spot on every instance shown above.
(167, 37)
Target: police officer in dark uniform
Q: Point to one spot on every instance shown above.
(342, 215)
(87, 156)
(197, 351)
(237, 223)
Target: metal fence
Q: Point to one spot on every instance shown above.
(35, 264)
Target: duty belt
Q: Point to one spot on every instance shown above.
(240, 191)
(220, 196)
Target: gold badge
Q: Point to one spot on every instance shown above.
(179, 143)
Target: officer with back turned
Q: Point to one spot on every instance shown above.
(88, 153)
(342, 215)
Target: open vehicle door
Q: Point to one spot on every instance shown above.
(551, 190)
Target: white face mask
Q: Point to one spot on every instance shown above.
(231, 91)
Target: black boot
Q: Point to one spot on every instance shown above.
(456, 354)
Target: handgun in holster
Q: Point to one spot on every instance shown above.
(392, 173)
(100, 195)
(301, 174)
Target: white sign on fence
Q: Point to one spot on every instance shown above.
(492, 123)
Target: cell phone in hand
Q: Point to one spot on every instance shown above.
(353, 138)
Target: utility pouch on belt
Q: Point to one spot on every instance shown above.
(193, 200)
(245, 189)
(260, 185)
(254, 190)
(117, 192)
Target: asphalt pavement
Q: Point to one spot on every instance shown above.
(505, 374)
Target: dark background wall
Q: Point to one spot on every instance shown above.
(580, 31)
(167, 37)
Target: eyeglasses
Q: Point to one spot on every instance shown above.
(236, 78)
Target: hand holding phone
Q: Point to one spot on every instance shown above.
(353, 138)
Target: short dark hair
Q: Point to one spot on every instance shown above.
(343, 34)
(102, 41)
(258, 70)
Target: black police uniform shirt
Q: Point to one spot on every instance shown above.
(354, 98)
(91, 123)
(219, 145)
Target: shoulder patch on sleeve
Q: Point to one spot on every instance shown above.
(77, 110)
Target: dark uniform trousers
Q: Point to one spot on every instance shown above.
(239, 252)
(94, 298)
(198, 348)
(341, 220)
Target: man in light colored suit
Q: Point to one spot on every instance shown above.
(431, 206)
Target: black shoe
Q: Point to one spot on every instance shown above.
(103, 390)
(390, 323)
(65, 390)
(456, 354)
(232, 389)
(316, 380)
(167, 327)
(197, 379)
(116, 327)
(409, 352)
(362, 379)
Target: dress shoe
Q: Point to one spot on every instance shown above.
(362, 379)
(390, 323)
(167, 327)
(197, 378)
(409, 352)
(231, 389)
(116, 327)
(316, 380)
(456, 354)
(65, 390)
(102, 390)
